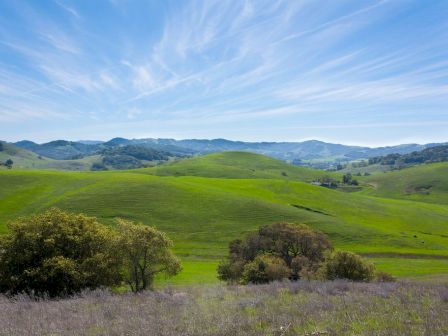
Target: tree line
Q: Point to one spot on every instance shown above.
(428, 155)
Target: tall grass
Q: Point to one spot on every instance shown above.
(302, 308)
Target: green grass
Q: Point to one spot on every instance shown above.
(237, 165)
(413, 268)
(194, 272)
(425, 183)
(202, 214)
(24, 159)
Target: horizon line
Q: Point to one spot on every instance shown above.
(244, 141)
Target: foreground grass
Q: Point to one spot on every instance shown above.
(302, 308)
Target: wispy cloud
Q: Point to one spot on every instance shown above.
(198, 63)
(68, 9)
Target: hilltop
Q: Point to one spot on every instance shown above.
(234, 164)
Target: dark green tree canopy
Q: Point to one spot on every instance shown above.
(57, 253)
(288, 251)
(298, 246)
(9, 163)
(347, 265)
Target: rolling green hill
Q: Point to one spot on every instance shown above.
(202, 214)
(425, 183)
(25, 159)
(125, 157)
(237, 165)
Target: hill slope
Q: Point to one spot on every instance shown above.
(426, 183)
(236, 165)
(25, 159)
(122, 157)
(203, 214)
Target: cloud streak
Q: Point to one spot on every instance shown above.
(199, 63)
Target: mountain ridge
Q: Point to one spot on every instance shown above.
(294, 152)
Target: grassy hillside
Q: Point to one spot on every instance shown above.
(116, 158)
(425, 183)
(203, 214)
(236, 165)
(25, 159)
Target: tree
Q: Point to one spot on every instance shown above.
(57, 253)
(146, 253)
(347, 178)
(9, 163)
(298, 246)
(346, 265)
(97, 166)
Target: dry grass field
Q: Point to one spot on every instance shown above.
(301, 308)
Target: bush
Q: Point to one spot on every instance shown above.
(265, 268)
(230, 271)
(298, 246)
(346, 265)
(57, 253)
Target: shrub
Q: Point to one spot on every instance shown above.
(230, 271)
(298, 246)
(57, 253)
(265, 268)
(346, 265)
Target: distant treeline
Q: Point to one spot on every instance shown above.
(129, 157)
(428, 155)
(138, 152)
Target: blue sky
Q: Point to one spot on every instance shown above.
(355, 72)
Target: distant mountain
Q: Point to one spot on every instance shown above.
(90, 142)
(304, 153)
(117, 142)
(131, 156)
(59, 149)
